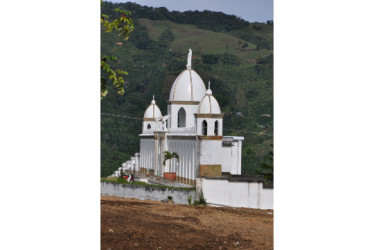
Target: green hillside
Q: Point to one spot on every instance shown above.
(201, 41)
(236, 56)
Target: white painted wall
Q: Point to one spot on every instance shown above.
(190, 117)
(154, 126)
(236, 194)
(232, 157)
(266, 199)
(211, 152)
(186, 148)
(211, 122)
(147, 153)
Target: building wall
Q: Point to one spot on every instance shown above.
(190, 117)
(235, 194)
(211, 152)
(232, 158)
(147, 153)
(154, 127)
(186, 148)
(211, 123)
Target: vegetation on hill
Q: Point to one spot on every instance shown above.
(235, 55)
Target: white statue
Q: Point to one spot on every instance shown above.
(161, 122)
(189, 58)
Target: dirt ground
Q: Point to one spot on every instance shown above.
(136, 224)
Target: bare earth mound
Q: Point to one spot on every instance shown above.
(136, 224)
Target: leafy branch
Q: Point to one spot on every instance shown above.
(124, 24)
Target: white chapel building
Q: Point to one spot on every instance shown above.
(192, 128)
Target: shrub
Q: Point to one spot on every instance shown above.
(210, 58)
(201, 200)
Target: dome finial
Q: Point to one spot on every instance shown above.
(209, 91)
(189, 58)
(153, 101)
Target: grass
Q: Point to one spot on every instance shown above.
(202, 41)
(139, 183)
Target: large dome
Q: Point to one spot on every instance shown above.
(152, 111)
(187, 87)
(209, 104)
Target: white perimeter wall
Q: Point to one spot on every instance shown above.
(236, 194)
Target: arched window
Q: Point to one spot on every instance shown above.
(181, 118)
(204, 128)
(216, 128)
(149, 126)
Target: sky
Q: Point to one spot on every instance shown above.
(250, 10)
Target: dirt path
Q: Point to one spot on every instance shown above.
(135, 224)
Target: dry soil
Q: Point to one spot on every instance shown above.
(136, 224)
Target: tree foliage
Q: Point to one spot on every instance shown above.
(169, 156)
(124, 25)
(267, 168)
(167, 36)
(210, 58)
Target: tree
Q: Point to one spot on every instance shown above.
(210, 58)
(230, 59)
(170, 156)
(167, 37)
(266, 168)
(124, 25)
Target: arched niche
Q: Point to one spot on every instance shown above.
(181, 118)
(216, 127)
(149, 126)
(204, 128)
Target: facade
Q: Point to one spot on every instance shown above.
(193, 129)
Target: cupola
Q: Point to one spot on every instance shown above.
(188, 86)
(209, 104)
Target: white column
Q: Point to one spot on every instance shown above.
(239, 157)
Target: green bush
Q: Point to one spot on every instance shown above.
(210, 58)
(230, 59)
(201, 200)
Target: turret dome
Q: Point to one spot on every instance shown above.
(209, 104)
(152, 111)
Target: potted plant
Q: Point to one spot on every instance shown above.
(169, 156)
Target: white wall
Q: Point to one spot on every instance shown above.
(211, 152)
(186, 148)
(236, 194)
(266, 199)
(190, 117)
(211, 123)
(147, 153)
(154, 126)
(232, 158)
